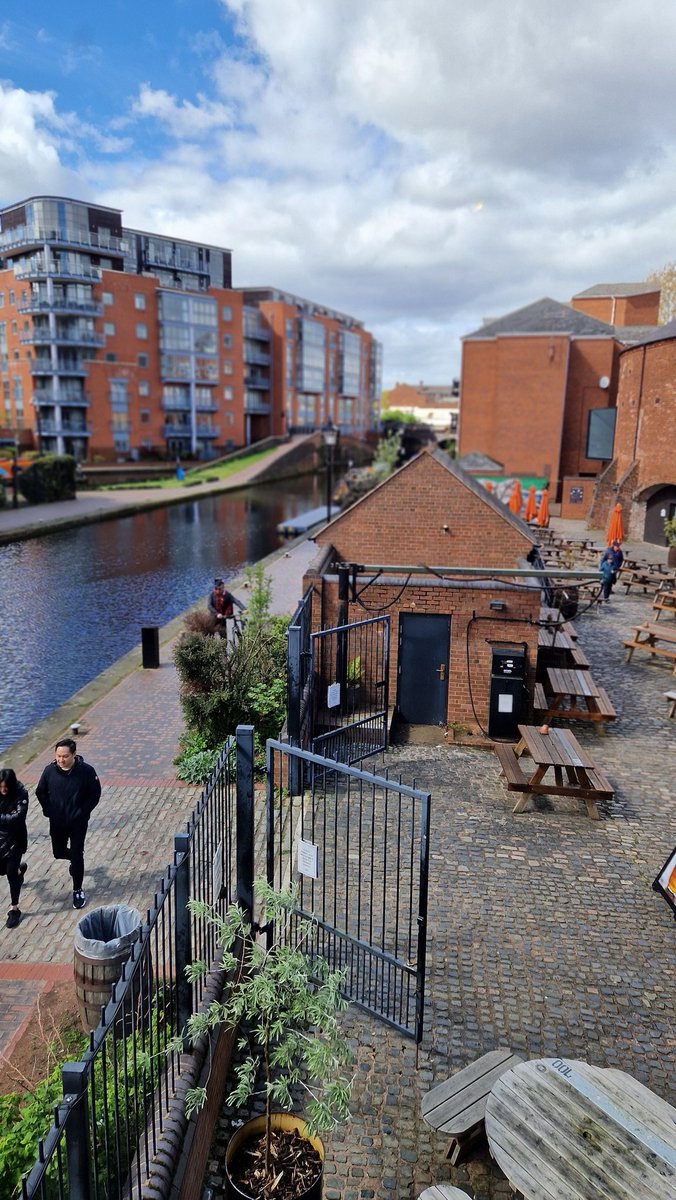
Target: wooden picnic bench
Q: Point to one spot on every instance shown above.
(647, 578)
(558, 752)
(671, 697)
(444, 1191)
(573, 695)
(647, 636)
(457, 1106)
(664, 601)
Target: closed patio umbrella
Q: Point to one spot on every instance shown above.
(516, 499)
(488, 485)
(615, 526)
(543, 509)
(531, 506)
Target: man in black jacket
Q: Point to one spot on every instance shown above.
(68, 792)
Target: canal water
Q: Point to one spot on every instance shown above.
(74, 602)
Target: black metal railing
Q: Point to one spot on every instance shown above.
(117, 1101)
(299, 674)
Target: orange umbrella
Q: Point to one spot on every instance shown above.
(531, 506)
(488, 485)
(516, 499)
(615, 526)
(543, 510)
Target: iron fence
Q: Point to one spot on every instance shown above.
(117, 1101)
(349, 668)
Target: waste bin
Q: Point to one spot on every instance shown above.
(150, 646)
(102, 944)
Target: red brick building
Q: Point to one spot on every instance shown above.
(642, 474)
(406, 537)
(535, 381)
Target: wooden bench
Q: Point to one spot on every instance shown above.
(510, 767)
(578, 657)
(664, 601)
(540, 698)
(671, 697)
(647, 579)
(605, 705)
(457, 1106)
(653, 633)
(444, 1191)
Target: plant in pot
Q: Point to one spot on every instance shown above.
(286, 1002)
(353, 681)
(670, 535)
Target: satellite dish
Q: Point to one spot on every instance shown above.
(604, 381)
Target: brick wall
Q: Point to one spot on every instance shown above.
(577, 494)
(621, 310)
(591, 359)
(473, 630)
(402, 523)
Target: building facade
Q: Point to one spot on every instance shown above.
(436, 406)
(116, 343)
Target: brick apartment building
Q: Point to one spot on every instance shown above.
(642, 474)
(437, 406)
(432, 516)
(115, 343)
(538, 385)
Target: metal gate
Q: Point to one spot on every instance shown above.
(349, 668)
(357, 847)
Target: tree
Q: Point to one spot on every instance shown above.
(666, 278)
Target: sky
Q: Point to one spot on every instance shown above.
(420, 164)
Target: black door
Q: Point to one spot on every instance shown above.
(422, 683)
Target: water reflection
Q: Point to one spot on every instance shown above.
(74, 602)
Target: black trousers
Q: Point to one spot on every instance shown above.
(10, 868)
(76, 833)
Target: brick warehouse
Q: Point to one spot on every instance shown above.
(642, 474)
(430, 514)
(534, 380)
(120, 344)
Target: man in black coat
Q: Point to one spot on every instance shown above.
(68, 792)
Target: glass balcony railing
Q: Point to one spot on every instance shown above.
(71, 337)
(59, 427)
(89, 308)
(14, 239)
(48, 399)
(45, 366)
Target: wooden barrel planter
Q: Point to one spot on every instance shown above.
(102, 945)
(256, 1128)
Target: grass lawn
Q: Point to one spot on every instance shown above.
(209, 473)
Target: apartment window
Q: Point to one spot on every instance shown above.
(145, 416)
(226, 312)
(227, 366)
(229, 418)
(142, 331)
(109, 329)
(2, 299)
(228, 393)
(143, 387)
(11, 297)
(227, 341)
(139, 301)
(108, 298)
(14, 328)
(111, 357)
(142, 360)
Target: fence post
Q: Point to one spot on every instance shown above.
(183, 938)
(245, 817)
(293, 703)
(74, 1080)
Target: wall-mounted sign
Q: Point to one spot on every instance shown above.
(666, 880)
(308, 859)
(576, 495)
(333, 695)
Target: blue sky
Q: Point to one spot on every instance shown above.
(421, 164)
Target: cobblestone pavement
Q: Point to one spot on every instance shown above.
(544, 932)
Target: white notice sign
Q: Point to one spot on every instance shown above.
(308, 859)
(505, 703)
(333, 695)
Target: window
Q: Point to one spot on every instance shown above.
(226, 312)
(227, 341)
(111, 357)
(139, 301)
(2, 299)
(11, 297)
(229, 418)
(145, 416)
(227, 366)
(228, 393)
(109, 329)
(142, 331)
(142, 360)
(143, 387)
(108, 298)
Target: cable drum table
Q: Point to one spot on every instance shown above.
(565, 1130)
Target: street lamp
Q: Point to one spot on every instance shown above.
(330, 435)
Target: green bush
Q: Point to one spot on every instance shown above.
(3, 496)
(197, 759)
(48, 479)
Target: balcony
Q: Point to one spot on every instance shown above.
(176, 405)
(48, 399)
(259, 357)
(38, 269)
(206, 406)
(56, 428)
(208, 431)
(44, 337)
(172, 429)
(255, 380)
(11, 240)
(46, 367)
(256, 404)
(85, 308)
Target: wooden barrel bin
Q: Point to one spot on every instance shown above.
(102, 945)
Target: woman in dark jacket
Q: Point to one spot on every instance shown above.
(13, 838)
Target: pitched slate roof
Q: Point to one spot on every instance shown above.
(618, 289)
(476, 461)
(544, 316)
(480, 491)
(657, 333)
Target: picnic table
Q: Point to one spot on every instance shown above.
(557, 648)
(562, 1129)
(647, 577)
(573, 695)
(664, 601)
(659, 640)
(556, 753)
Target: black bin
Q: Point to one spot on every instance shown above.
(150, 647)
(507, 700)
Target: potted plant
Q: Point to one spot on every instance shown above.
(353, 681)
(670, 535)
(286, 1003)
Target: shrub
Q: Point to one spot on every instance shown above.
(3, 496)
(48, 479)
(197, 759)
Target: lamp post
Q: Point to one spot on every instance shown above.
(330, 435)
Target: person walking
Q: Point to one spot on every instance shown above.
(13, 839)
(68, 791)
(611, 561)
